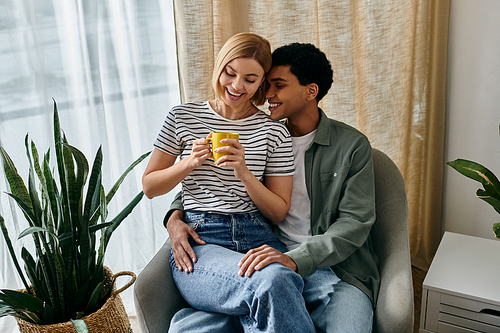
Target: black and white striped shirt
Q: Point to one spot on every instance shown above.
(268, 152)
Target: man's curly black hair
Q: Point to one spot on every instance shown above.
(307, 63)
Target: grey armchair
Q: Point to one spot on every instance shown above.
(157, 298)
(394, 311)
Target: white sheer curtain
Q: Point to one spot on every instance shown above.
(111, 67)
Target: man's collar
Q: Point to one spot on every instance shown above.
(323, 130)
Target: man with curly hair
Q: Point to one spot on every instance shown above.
(327, 230)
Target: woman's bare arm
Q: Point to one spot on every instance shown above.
(162, 174)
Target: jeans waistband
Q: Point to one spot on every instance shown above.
(215, 214)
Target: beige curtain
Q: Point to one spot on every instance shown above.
(389, 60)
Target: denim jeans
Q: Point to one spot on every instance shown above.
(268, 301)
(334, 306)
(237, 232)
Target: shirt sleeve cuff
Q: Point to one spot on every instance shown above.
(175, 205)
(303, 261)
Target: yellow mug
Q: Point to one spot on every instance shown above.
(215, 139)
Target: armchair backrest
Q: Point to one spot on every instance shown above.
(395, 304)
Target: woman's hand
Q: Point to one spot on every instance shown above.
(235, 159)
(179, 233)
(199, 153)
(162, 173)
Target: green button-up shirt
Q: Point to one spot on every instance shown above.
(341, 188)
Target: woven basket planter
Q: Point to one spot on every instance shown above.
(111, 317)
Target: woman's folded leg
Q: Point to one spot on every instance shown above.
(268, 301)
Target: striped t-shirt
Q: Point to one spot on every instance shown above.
(268, 152)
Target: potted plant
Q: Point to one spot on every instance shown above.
(491, 186)
(66, 211)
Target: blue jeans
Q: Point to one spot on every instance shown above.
(268, 301)
(334, 306)
(237, 232)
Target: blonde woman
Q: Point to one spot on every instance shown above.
(231, 203)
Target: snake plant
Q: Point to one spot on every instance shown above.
(491, 186)
(66, 209)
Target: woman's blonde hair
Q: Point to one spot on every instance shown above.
(244, 45)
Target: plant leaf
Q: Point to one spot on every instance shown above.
(20, 300)
(31, 230)
(103, 206)
(35, 201)
(59, 153)
(16, 183)
(52, 192)
(120, 217)
(98, 198)
(94, 184)
(49, 315)
(73, 195)
(115, 187)
(66, 237)
(82, 166)
(22, 314)
(80, 325)
(82, 222)
(5, 233)
(485, 195)
(45, 265)
(47, 214)
(94, 299)
(479, 173)
(496, 229)
(30, 269)
(28, 213)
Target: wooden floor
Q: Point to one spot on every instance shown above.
(418, 279)
(135, 324)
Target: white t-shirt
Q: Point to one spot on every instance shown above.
(268, 152)
(297, 227)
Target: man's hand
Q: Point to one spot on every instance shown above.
(179, 233)
(260, 257)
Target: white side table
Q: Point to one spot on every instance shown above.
(461, 291)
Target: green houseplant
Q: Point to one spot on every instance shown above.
(491, 186)
(66, 211)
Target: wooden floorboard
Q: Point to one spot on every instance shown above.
(418, 279)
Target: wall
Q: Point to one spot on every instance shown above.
(473, 112)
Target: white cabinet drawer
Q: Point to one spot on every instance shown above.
(448, 328)
(441, 310)
(459, 292)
